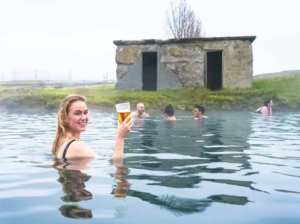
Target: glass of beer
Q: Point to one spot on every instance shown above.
(123, 110)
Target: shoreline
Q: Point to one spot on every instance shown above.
(284, 91)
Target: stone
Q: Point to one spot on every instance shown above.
(175, 51)
(132, 80)
(180, 41)
(122, 69)
(188, 67)
(172, 59)
(168, 81)
(127, 55)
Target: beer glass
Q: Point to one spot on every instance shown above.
(123, 110)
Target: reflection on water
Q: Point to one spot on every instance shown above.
(73, 182)
(241, 167)
(234, 200)
(75, 212)
(73, 185)
(122, 186)
(176, 205)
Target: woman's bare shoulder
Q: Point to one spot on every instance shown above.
(79, 149)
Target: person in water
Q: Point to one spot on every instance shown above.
(140, 112)
(169, 113)
(266, 110)
(73, 118)
(199, 112)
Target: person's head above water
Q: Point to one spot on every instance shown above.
(169, 112)
(268, 103)
(139, 112)
(199, 111)
(72, 118)
(140, 108)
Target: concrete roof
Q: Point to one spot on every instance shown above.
(178, 41)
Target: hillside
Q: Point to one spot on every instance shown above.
(277, 74)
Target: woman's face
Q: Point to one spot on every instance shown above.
(78, 116)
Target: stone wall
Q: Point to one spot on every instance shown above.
(183, 64)
(186, 62)
(237, 61)
(178, 66)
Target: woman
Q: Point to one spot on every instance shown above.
(266, 110)
(73, 118)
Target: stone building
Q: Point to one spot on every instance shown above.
(219, 62)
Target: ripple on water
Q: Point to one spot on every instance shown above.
(186, 168)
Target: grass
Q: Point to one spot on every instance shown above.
(284, 91)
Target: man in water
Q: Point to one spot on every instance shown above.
(169, 113)
(199, 112)
(266, 110)
(140, 111)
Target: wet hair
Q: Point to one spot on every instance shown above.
(169, 110)
(202, 109)
(266, 103)
(63, 126)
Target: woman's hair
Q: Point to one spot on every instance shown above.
(63, 126)
(266, 103)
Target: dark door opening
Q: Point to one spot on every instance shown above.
(149, 71)
(214, 70)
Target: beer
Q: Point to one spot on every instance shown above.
(123, 110)
(122, 116)
(122, 189)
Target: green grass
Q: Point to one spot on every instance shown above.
(284, 91)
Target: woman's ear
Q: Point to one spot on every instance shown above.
(63, 118)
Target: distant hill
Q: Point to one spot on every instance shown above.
(277, 74)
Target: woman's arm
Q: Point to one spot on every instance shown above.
(79, 150)
(123, 130)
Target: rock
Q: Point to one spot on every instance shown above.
(188, 66)
(175, 51)
(127, 55)
(132, 80)
(122, 69)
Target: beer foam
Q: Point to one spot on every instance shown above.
(123, 107)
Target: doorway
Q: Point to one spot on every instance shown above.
(149, 71)
(214, 70)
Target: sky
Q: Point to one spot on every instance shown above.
(53, 38)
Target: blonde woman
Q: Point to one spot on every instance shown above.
(73, 117)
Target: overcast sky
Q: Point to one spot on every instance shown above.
(54, 36)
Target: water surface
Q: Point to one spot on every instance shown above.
(234, 167)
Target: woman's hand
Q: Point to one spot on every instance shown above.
(124, 128)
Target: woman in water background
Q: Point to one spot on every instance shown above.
(266, 110)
